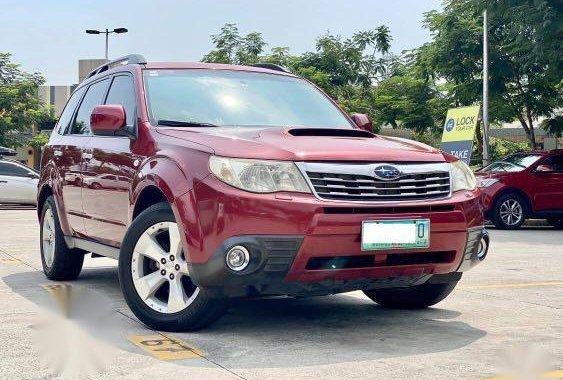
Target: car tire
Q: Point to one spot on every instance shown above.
(59, 262)
(557, 223)
(415, 297)
(509, 212)
(145, 276)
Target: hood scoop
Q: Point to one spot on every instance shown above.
(331, 132)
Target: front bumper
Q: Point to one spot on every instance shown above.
(300, 245)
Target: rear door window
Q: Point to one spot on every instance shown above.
(94, 97)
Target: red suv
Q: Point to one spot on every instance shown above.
(524, 185)
(216, 181)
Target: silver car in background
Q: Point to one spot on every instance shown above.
(18, 183)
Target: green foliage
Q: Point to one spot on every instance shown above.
(19, 105)
(525, 61)
(502, 148)
(232, 48)
(404, 101)
(39, 140)
(554, 125)
(415, 90)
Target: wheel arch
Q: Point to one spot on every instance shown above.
(514, 190)
(42, 196)
(149, 196)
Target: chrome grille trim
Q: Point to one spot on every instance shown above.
(356, 182)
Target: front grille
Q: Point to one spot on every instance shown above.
(356, 187)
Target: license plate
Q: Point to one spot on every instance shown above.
(395, 234)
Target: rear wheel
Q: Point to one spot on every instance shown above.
(509, 212)
(415, 297)
(59, 262)
(557, 223)
(155, 277)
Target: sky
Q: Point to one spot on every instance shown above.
(48, 36)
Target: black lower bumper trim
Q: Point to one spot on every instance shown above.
(271, 258)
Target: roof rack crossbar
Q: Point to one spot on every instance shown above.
(271, 66)
(127, 60)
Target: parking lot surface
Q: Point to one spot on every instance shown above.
(505, 316)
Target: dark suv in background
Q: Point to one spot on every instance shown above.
(209, 182)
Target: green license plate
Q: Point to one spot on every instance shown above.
(395, 234)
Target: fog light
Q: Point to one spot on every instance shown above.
(237, 258)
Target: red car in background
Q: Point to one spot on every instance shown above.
(522, 186)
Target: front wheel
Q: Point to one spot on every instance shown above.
(509, 212)
(155, 278)
(415, 297)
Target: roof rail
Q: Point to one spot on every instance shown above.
(125, 60)
(272, 66)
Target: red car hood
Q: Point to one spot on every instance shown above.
(306, 144)
(492, 174)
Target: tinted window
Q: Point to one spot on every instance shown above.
(122, 92)
(94, 97)
(556, 162)
(515, 163)
(238, 98)
(11, 169)
(523, 160)
(66, 116)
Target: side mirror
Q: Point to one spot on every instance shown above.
(544, 169)
(362, 121)
(32, 175)
(107, 119)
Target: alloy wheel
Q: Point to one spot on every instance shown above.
(48, 237)
(511, 212)
(160, 271)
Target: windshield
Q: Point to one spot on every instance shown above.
(514, 163)
(237, 98)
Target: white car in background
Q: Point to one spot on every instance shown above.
(18, 183)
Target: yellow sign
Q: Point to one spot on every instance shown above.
(461, 123)
(166, 348)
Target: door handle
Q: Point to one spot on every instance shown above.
(87, 156)
(2, 181)
(57, 153)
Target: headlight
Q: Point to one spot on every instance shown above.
(259, 176)
(462, 177)
(486, 182)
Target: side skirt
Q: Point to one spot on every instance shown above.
(97, 249)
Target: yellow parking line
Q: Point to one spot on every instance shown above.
(166, 347)
(516, 285)
(546, 375)
(8, 260)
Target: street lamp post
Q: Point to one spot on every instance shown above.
(107, 32)
(486, 157)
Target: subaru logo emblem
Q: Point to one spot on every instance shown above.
(387, 172)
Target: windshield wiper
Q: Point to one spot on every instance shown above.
(175, 123)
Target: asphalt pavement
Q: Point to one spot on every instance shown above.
(506, 316)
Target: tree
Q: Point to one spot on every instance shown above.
(408, 102)
(20, 107)
(232, 48)
(525, 65)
